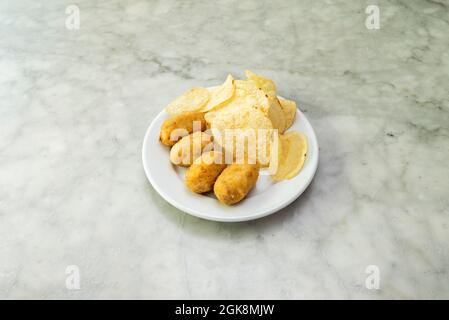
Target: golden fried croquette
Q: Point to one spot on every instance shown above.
(190, 147)
(201, 175)
(179, 126)
(235, 182)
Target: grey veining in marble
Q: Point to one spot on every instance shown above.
(75, 104)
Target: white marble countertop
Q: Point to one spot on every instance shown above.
(75, 104)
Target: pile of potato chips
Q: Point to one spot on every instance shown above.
(250, 104)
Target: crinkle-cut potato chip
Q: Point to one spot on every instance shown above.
(191, 101)
(265, 84)
(291, 155)
(289, 109)
(220, 95)
(276, 115)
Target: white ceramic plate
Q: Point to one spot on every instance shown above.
(266, 198)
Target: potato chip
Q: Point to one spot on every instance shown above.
(282, 169)
(209, 117)
(276, 114)
(291, 155)
(190, 101)
(246, 94)
(229, 107)
(243, 117)
(275, 153)
(265, 84)
(289, 109)
(221, 95)
(298, 147)
(240, 117)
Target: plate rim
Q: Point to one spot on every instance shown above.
(252, 216)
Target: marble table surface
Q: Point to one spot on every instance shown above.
(78, 218)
